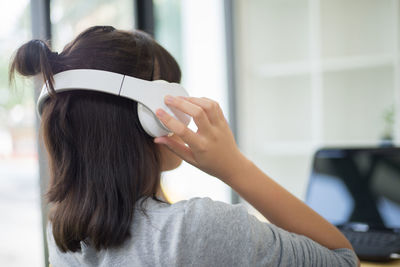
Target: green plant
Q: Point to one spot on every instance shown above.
(388, 117)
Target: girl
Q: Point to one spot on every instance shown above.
(107, 206)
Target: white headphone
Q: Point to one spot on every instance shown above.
(148, 94)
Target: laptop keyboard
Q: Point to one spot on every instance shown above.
(389, 241)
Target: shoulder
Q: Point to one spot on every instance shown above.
(215, 227)
(227, 223)
(203, 218)
(205, 211)
(228, 235)
(202, 203)
(204, 232)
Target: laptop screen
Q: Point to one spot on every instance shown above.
(356, 186)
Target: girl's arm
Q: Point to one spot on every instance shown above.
(213, 149)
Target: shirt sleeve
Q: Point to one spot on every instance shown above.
(221, 234)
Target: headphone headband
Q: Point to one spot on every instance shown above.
(150, 94)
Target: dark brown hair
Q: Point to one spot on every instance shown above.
(101, 160)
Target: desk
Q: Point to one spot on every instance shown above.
(395, 263)
(392, 263)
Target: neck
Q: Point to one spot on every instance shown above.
(161, 195)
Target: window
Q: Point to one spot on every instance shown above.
(194, 33)
(20, 224)
(70, 17)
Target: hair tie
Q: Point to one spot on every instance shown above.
(53, 55)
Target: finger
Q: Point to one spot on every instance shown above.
(178, 128)
(219, 113)
(211, 108)
(179, 149)
(195, 111)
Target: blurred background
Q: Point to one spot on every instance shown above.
(291, 76)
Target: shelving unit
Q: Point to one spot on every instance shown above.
(314, 73)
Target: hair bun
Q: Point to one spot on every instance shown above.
(32, 58)
(29, 57)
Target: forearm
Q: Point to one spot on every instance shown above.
(282, 208)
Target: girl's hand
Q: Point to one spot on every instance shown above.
(212, 148)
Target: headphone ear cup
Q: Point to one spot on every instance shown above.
(150, 123)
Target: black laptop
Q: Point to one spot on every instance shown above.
(358, 190)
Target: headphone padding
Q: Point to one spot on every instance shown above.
(150, 123)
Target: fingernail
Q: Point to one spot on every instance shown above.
(184, 98)
(159, 140)
(160, 113)
(169, 99)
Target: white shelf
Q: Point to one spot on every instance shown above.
(280, 37)
(293, 148)
(284, 69)
(300, 148)
(313, 74)
(333, 64)
(354, 103)
(356, 62)
(356, 27)
(355, 144)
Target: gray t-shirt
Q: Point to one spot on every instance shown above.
(203, 232)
